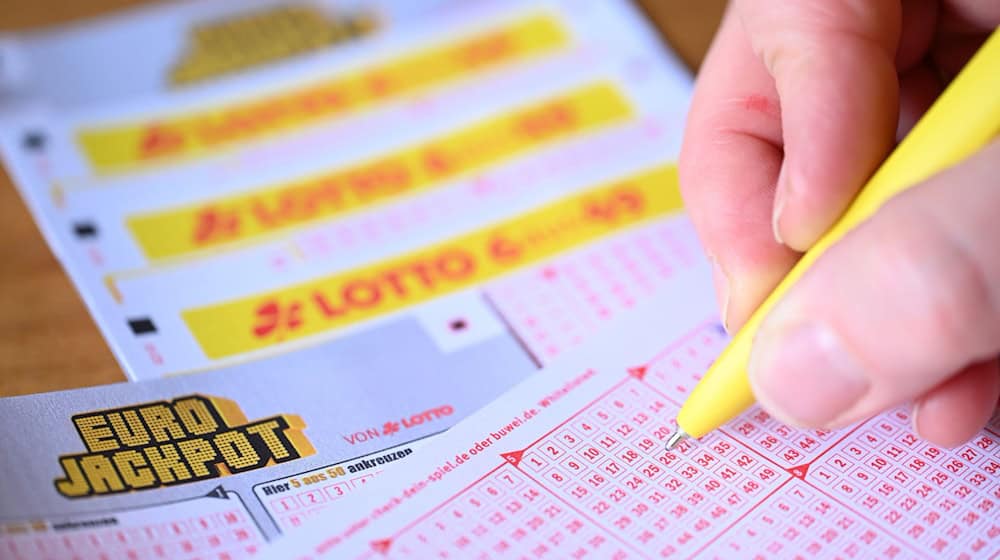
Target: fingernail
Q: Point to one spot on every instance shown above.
(805, 375)
(721, 282)
(780, 196)
(914, 412)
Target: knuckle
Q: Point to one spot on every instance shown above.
(946, 286)
(795, 34)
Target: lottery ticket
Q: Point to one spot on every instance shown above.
(215, 464)
(572, 464)
(467, 161)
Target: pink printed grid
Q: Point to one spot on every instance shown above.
(556, 306)
(601, 484)
(291, 510)
(224, 535)
(941, 501)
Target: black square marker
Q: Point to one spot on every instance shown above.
(458, 325)
(34, 140)
(84, 230)
(141, 326)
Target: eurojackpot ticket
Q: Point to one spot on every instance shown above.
(213, 465)
(448, 163)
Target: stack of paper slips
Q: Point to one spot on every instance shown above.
(318, 235)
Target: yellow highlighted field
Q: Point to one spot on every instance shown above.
(333, 302)
(123, 146)
(179, 231)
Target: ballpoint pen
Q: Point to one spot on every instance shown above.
(964, 118)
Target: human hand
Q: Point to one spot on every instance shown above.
(796, 105)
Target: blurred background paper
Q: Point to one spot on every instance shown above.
(181, 44)
(274, 208)
(36, 290)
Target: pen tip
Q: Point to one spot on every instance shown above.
(675, 438)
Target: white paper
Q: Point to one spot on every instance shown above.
(141, 295)
(572, 464)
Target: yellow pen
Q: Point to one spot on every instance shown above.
(963, 120)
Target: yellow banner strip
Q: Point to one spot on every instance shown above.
(124, 146)
(185, 230)
(348, 297)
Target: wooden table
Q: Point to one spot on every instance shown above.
(47, 339)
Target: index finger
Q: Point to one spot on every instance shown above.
(729, 165)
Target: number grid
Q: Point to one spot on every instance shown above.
(602, 484)
(292, 509)
(204, 528)
(556, 306)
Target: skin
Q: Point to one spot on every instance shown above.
(796, 105)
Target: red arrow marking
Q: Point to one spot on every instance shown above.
(638, 372)
(799, 471)
(514, 457)
(382, 545)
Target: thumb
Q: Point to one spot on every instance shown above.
(894, 310)
(834, 71)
